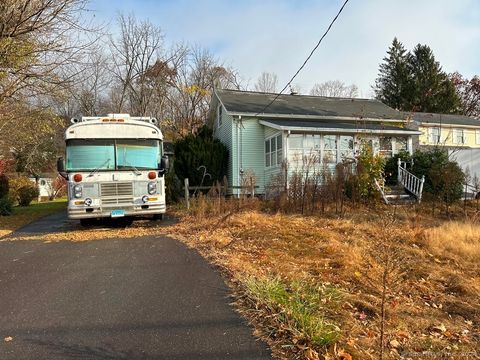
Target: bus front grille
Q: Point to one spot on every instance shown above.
(116, 193)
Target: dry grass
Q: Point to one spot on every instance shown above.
(461, 239)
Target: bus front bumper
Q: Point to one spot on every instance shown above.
(104, 212)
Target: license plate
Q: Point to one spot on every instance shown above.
(117, 213)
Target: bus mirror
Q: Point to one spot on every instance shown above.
(164, 164)
(61, 167)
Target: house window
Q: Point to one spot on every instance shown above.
(400, 144)
(311, 149)
(295, 150)
(330, 148)
(273, 151)
(434, 135)
(345, 147)
(386, 146)
(458, 136)
(477, 137)
(219, 115)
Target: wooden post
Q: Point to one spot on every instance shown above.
(187, 193)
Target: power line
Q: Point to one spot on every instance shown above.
(306, 60)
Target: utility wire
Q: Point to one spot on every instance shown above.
(306, 60)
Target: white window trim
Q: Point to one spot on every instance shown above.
(431, 140)
(279, 134)
(477, 136)
(455, 132)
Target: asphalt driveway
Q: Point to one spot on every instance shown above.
(143, 298)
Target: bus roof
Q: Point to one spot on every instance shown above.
(113, 128)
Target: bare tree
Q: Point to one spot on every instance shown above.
(334, 88)
(88, 92)
(137, 48)
(36, 39)
(187, 100)
(267, 82)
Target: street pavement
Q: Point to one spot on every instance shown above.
(141, 298)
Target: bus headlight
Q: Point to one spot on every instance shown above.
(77, 191)
(152, 187)
(88, 202)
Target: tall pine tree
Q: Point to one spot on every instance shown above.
(433, 91)
(415, 81)
(393, 85)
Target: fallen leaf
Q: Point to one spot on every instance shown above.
(441, 328)
(394, 343)
(8, 338)
(344, 356)
(403, 334)
(311, 354)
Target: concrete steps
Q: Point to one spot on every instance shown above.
(396, 195)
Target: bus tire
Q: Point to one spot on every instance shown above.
(158, 217)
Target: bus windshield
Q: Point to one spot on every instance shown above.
(96, 154)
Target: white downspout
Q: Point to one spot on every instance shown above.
(239, 153)
(287, 183)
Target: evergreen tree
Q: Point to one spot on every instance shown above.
(393, 85)
(415, 81)
(193, 151)
(432, 91)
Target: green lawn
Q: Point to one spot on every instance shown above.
(23, 215)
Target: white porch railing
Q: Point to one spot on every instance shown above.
(409, 181)
(380, 185)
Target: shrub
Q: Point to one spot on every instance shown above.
(369, 168)
(173, 187)
(15, 184)
(26, 194)
(444, 178)
(6, 206)
(391, 167)
(4, 185)
(200, 149)
(425, 161)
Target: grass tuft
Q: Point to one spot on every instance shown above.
(299, 307)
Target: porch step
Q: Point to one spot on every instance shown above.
(400, 198)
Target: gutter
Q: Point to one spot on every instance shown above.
(338, 130)
(314, 117)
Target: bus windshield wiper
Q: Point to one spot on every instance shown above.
(135, 170)
(98, 168)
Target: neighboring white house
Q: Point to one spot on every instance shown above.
(45, 186)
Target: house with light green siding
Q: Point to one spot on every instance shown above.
(264, 138)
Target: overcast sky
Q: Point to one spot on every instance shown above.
(277, 35)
